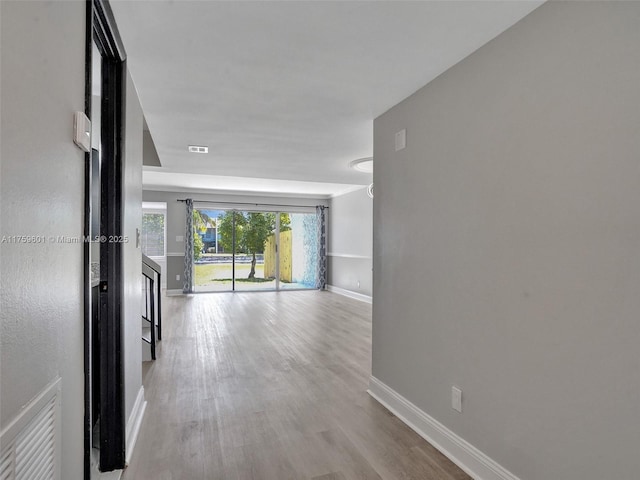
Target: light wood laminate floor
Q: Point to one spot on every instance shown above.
(272, 386)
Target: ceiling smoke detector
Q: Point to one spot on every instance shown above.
(198, 149)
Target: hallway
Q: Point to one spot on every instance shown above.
(271, 386)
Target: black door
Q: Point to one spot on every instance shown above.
(104, 376)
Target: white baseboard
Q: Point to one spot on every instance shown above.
(134, 423)
(348, 255)
(177, 291)
(459, 451)
(350, 294)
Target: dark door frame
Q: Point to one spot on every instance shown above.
(102, 30)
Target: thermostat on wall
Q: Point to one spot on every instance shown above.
(82, 131)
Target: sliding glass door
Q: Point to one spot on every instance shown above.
(243, 250)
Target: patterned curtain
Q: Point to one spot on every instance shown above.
(187, 286)
(321, 281)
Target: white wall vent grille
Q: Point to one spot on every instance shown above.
(35, 448)
(198, 149)
(30, 444)
(7, 467)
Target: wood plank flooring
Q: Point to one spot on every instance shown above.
(272, 386)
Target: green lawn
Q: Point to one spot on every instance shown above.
(212, 277)
(221, 273)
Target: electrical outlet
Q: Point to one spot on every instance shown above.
(456, 399)
(178, 277)
(179, 238)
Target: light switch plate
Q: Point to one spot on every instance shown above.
(82, 131)
(401, 139)
(456, 399)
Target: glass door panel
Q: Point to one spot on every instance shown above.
(254, 235)
(299, 251)
(212, 257)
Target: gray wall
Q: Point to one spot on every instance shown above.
(42, 185)
(350, 242)
(175, 221)
(150, 154)
(506, 245)
(132, 255)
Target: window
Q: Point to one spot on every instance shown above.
(153, 233)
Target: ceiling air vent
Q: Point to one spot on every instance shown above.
(198, 149)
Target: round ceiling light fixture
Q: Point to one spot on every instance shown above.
(362, 164)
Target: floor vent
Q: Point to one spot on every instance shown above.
(30, 445)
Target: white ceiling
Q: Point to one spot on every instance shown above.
(287, 91)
